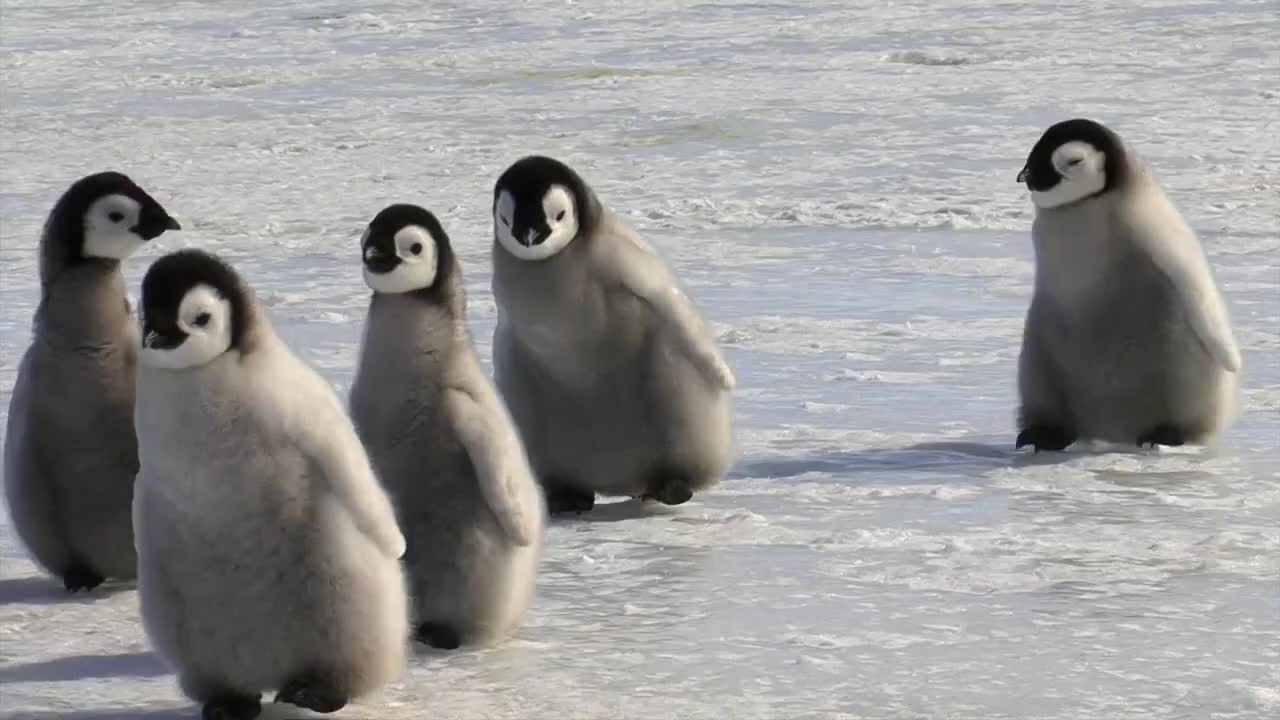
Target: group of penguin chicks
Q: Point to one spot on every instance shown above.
(270, 526)
(266, 526)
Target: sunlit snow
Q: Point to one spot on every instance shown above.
(834, 181)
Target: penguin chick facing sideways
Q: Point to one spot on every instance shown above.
(617, 385)
(70, 455)
(441, 440)
(268, 552)
(1127, 339)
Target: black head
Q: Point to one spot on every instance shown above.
(194, 308)
(104, 216)
(539, 206)
(1073, 160)
(405, 249)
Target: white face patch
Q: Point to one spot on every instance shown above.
(1084, 172)
(106, 228)
(503, 214)
(561, 218)
(417, 267)
(206, 318)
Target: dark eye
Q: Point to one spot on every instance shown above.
(505, 221)
(202, 319)
(559, 216)
(115, 217)
(416, 248)
(1075, 161)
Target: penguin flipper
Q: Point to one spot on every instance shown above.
(502, 468)
(30, 492)
(325, 433)
(644, 274)
(1174, 248)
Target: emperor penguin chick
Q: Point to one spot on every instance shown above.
(616, 383)
(70, 455)
(268, 552)
(441, 440)
(1127, 339)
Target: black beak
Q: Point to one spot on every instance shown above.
(381, 264)
(154, 223)
(1022, 176)
(378, 262)
(156, 341)
(534, 237)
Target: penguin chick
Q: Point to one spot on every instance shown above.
(70, 455)
(268, 552)
(1127, 338)
(616, 383)
(441, 440)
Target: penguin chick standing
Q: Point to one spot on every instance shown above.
(268, 553)
(70, 455)
(441, 440)
(1127, 338)
(616, 384)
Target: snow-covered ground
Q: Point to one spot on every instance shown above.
(834, 180)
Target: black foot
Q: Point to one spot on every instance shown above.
(1045, 437)
(232, 707)
(310, 693)
(438, 635)
(1162, 435)
(562, 500)
(78, 577)
(668, 489)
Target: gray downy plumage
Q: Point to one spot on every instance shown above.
(1127, 338)
(617, 385)
(70, 455)
(441, 441)
(268, 553)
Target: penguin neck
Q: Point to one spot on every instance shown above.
(257, 332)
(1077, 250)
(444, 301)
(447, 299)
(591, 212)
(431, 325)
(56, 265)
(84, 306)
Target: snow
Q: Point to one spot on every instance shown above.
(834, 180)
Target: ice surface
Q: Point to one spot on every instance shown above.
(835, 182)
